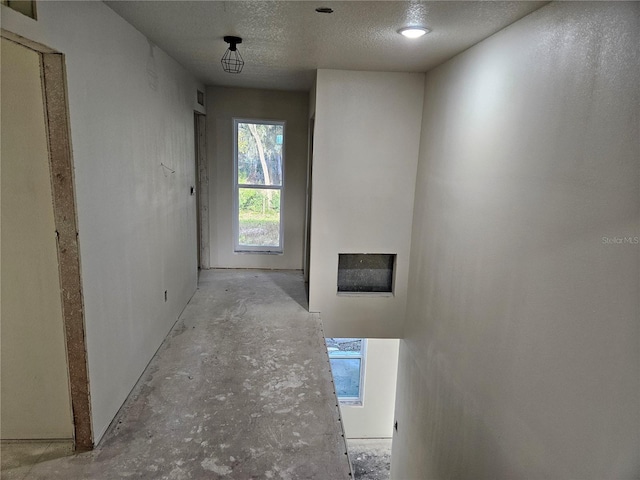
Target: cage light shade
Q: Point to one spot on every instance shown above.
(232, 61)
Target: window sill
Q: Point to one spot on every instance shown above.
(257, 252)
(365, 294)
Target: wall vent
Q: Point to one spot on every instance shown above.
(366, 272)
(25, 7)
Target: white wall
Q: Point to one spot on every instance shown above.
(521, 357)
(131, 109)
(35, 382)
(312, 101)
(374, 418)
(225, 104)
(307, 219)
(367, 133)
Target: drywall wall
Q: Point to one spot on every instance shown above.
(365, 154)
(374, 418)
(35, 388)
(225, 104)
(312, 101)
(307, 218)
(131, 112)
(521, 356)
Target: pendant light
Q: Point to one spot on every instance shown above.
(232, 61)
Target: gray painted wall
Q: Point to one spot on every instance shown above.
(131, 108)
(225, 104)
(521, 357)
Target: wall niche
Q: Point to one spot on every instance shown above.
(366, 272)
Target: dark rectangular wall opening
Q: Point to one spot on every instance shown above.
(25, 7)
(365, 272)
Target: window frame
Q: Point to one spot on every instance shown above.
(359, 400)
(259, 249)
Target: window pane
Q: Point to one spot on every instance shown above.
(344, 347)
(260, 154)
(259, 217)
(346, 376)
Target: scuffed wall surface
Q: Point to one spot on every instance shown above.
(131, 112)
(521, 357)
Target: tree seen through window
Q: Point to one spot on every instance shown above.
(259, 162)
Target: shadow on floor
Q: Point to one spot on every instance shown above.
(293, 289)
(17, 457)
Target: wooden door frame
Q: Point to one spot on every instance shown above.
(202, 189)
(56, 110)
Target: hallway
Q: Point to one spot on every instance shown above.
(241, 388)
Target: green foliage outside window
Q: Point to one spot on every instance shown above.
(259, 163)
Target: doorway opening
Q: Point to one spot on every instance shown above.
(202, 190)
(55, 216)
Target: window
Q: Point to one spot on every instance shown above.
(347, 357)
(258, 172)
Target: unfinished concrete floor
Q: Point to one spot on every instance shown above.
(371, 458)
(240, 389)
(16, 457)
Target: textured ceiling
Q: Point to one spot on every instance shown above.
(284, 42)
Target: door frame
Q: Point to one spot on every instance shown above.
(56, 111)
(309, 195)
(202, 189)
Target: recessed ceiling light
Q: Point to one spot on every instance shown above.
(324, 10)
(413, 32)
